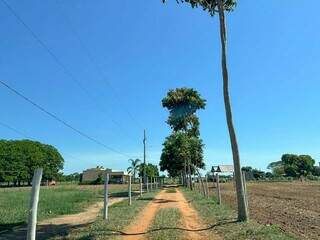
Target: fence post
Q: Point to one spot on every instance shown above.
(129, 190)
(32, 220)
(105, 196)
(147, 184)
(140, 186)
(207, 186)
(151, 184)
(218, 189)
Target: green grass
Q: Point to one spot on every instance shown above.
(164, 223)
(171, 190)
(224, 220)
(59, 200)
(120, 216)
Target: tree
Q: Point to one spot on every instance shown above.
(297, 165)
(151, 170)
(134, 168)
(19, 159)
(182, 104)
(183, 148)
(213, 7)
(276, 168)
(293, 165)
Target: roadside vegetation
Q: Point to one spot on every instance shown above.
(165, 225)
(54, 201)
(120, 216)
(224, 221)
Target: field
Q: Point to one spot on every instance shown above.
(58, 200)
(294, 206)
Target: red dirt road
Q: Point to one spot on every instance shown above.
(190, 218)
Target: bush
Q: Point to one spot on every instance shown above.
(313, 178)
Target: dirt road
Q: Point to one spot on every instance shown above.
(60, 225)
(192, 225)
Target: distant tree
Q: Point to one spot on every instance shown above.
(254, 174)
(19, 159)
(316, 171)
(151, 170)
(293, 165)
(134, 167)
(183, 149)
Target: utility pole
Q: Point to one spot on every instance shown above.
(144, 157)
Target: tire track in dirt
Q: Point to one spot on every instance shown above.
(191, 222)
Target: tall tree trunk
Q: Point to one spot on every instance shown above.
(241, 200)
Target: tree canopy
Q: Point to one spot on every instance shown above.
(19, 159)
(209, 5)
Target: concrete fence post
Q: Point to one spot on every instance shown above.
(105, 196)
(207, 186)
(151, 187)
(218, 189)
(32, 219)
(147, 184)
(140, 186)
(129, 190)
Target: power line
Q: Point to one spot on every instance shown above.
(58, 61)
(58, 119)
(14, 130)
(94, 62)
(28, 137)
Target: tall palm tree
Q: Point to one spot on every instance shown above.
(134, 168)
(214, 6)
(241, 198)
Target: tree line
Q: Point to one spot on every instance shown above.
(19, 159)
(290, 166)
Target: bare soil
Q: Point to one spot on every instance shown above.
(192, 225)
(294, 206)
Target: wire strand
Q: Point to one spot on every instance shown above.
(42, 109)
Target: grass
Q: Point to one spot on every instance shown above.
(164, 223)
(120, 216)
(171, 190)
(59, 200)
(225, 222)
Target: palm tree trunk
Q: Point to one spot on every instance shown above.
(242, 208)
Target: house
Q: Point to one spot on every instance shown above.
(93, 174)
(118, 176)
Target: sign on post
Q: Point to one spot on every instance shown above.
(32, 219)
(106, 199)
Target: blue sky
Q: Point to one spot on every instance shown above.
(139, 50)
